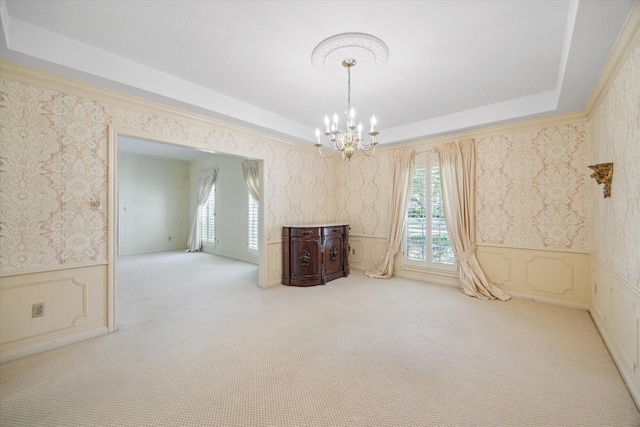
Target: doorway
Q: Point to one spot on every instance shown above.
(130, 144)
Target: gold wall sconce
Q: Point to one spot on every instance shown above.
(603, 173)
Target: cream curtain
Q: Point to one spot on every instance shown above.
(206, 179)
(457, 172)
(252, 178)
(402, 170)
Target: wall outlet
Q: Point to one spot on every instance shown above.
(37, 310)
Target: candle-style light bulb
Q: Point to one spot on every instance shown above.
(352, 117)
(318, 135)
(326, 124)
(373, 123)
(335, 119)
(359, 130)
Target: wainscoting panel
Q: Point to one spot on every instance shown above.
(624, 326)
(496, 265)
(274, 264)
(75, 303)
(16, 306)
(547, 275)
(356, 254)
(366, 251)
(615, 309)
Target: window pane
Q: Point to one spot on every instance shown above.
(208, 218)
(441, 251)
(426, 238)
(417, 218)
(253, 224)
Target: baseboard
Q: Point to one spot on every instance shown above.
(39, 348)
(155, 251)
(553, 301)
(433, 279)
(611, 347)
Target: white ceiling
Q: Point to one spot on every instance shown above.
(453, 65)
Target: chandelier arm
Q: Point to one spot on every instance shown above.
(331, 153)
(366, 151)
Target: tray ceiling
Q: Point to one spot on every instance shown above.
(452, 66)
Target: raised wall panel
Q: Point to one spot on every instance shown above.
(546, 275)
(600, 300)
(378, 250)
(277, 266)
(496, 266)
(368, 251)
(356, 255)
(600, 295)
(624, 326)
(65, 302)
(274, 264)
(75, 302)
(549, 274)
(615, 309)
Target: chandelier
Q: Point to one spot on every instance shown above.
(367, 51)
(350, 140)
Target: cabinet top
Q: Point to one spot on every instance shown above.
(336, 224)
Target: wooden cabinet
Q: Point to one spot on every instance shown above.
(314, 254)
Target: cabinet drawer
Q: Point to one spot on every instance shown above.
(337, 230)
(304, 232)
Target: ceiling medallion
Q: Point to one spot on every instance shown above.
(347, 50)
(368, 51)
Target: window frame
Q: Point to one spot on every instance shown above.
(253, 211)
(206, 221)
(428, 265)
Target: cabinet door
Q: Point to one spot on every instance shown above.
(305, 259)
(333, 250)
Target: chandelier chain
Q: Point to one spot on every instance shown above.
(349, 89)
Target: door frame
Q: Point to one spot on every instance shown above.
(113, 206)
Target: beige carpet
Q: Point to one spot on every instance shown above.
(200, 344)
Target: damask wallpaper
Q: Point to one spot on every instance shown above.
(53, 170)
(365, 196)
(53, 174)
(615, 137)
(531, 189)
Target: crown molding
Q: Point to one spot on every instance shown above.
(629, 37)
(540, 123)
(25, 74)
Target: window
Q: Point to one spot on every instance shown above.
(208, 218)
(427, 241)
(253, 224)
